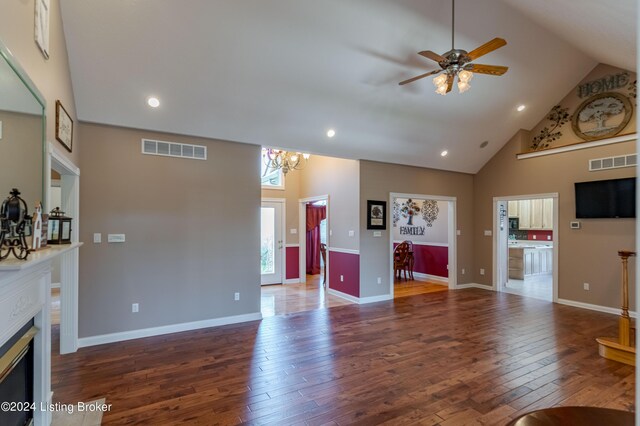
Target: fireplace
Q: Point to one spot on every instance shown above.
(17, 376)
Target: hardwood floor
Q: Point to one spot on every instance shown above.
(402, 288)
(290, 298)
(447, 358)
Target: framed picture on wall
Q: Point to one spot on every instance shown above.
(64, 126)
(376, 214)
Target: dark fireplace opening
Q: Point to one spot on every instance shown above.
(16, 378)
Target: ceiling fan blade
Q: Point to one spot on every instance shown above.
(432, 55)
(411, 80)
(489, 46)
(450, 78)
(486, 69)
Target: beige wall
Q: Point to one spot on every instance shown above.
(291, 194)
(572, 101)
(192, 232)
(51, 76)
(339, 179)
(21, 146)
(585, 255)
(377, 181)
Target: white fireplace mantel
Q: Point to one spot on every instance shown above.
(25, 293)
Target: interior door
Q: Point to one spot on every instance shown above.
(271, 243)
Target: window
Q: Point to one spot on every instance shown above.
(270, 179)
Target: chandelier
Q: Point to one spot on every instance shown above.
(276, 159)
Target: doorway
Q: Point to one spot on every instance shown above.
(526, 245)
(427, 223)
(314, 239)
(67, 266)
(272, 260)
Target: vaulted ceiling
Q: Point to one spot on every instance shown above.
(281, 72)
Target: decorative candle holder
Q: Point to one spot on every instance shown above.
(14, 221)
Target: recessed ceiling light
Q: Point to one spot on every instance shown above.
(521, 108)
(331, 133)
(444, 153)
(153, 102)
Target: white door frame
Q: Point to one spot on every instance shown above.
(451, 236)
(283, 234)
(302, 235)
(556, 239)
(70, 200)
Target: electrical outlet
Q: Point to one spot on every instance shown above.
(585, 286)
(379, 280)
(294, 230)
(458, 232)
(481, 271)
(135, 308)
(377, 233)
(535, 237)
(341, 278)
(548, 237)
(352, 233)
(236, 296)
(97, 238)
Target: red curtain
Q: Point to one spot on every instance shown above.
(315, 215)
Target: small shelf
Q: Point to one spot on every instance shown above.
(35, 258)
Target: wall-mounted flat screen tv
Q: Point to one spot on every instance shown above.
(612, 198)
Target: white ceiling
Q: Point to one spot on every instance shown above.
(281, 72)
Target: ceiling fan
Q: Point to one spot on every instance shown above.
(458, 62)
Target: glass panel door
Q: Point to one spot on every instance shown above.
(271, 243)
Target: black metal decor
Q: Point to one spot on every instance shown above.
(13, 224)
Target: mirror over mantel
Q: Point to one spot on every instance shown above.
(22, 132)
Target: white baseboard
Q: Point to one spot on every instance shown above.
(165, 329)
(474, 285)
(55, 285)
(373, 299)
(419, 276)
(292, 281)
(342, 295)
(360, 300)
(599, 308)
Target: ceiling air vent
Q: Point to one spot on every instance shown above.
(173, 149)
(613, 162)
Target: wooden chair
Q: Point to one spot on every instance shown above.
(410, 257)
(323, 254)
(401, 260)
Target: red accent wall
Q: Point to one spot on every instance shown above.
(432, 260)
(293, 262)
(540, 235)
(347, 265)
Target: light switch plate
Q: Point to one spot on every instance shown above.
(377, 233)
(458, 232)
(352, 233)
(488, 233)
(115, 238)
(97, 238)
(293, 231)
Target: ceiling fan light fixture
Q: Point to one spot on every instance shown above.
(442, 89)
(463, 86)
(440, 80)
(465, 76)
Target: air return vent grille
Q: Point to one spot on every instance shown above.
(173, 149)
(613, 162)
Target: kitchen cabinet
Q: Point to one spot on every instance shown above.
(531, 260)
(533, 214)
